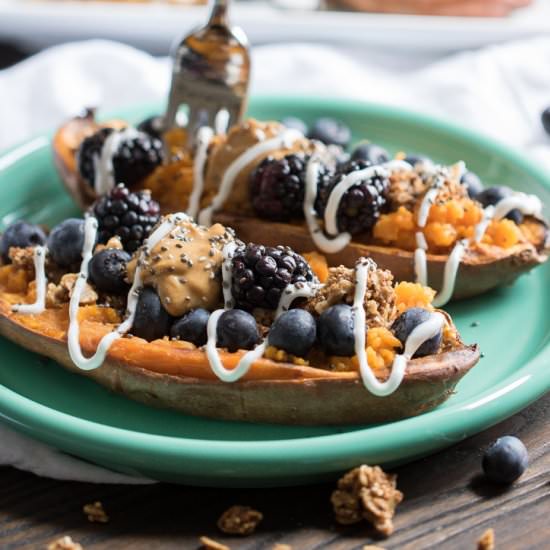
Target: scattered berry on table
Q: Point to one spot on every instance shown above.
(361, 205)
(89, 152)
(331, 132)
(236, 330)
(108, 270)
(545, 118)
(129, 216)
(261, 273)
(136, 157)
(505, 460)
(65, 242)
(192, 327)
(407, 322)
(277, 188)
(370, 152)
(151, 321)
(20, 234)
(335, 330)
(294, 331)
(152, 126)
(295, 123)
(493, 195)
(473, 184)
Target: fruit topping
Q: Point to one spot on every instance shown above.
(152, 126)
(294, 331)
(89, 153)
(472, 183)
(295, 123)
(505, 460)
(65, 242)
(331, 132)
(407, 322)
(277, 188)
(108, 270)
(151, 321)
(236, 330)
(413, 160)
(361, 205)
(493, 195)
(20, 234)
(370, 152)
(261, 273)
(335, 330)
(545, 118)
(191, 327)
(129, 216)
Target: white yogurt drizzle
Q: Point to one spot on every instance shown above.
(39, 305)
(416, 338)
(339, 240)
(204, 137)
(289, 294)
(104, 179)
(90, 232)
(285, 139)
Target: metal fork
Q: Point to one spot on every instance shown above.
(210, 73)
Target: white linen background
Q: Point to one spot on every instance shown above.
(500, 91)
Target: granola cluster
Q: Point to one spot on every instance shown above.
(64, 543)
(487, 540)
(95, 512)
(239, 520)
(367, 492)
(380, 307)
(58, 294)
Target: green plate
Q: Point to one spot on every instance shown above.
(512, 326)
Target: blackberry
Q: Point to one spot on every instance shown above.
(277, 187)
(261, 273)
(89, 153)
(129, 216)
(136, 157)
(153, 126)
(361, 205)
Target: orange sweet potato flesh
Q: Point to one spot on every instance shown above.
(176, 375)
(479, 271)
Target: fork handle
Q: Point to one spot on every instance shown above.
(218, 16)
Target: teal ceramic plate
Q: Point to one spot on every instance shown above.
(512, 326)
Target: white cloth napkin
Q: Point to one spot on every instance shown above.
(500, 90)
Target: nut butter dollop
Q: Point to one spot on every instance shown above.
(185, 267)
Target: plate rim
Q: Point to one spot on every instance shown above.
(524, 386)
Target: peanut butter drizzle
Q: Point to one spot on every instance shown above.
(185, 267)
(239, 140)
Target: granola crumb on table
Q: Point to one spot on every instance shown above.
(367, 492)
(487, 540)
(239, 520)
(95, 512)
(64, 543)
(279, 546)
(372, 547)
(210, 544)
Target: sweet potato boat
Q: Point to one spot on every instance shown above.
(170, 374)
(477, 273)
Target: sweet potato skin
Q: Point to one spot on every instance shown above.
(307, 396)
(475, 276)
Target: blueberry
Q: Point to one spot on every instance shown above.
(237, 329)
(371, 153)
(545, 118)
(294, 332)
(493, 195)
(295, 123)
(407, 322)
(152, 125)
(505, 460)
(413, 160)
(472, 183)
(192, 327)
(151, 321)
(20, 234)
(331, 132)
(335, 330)
(65, 242)
(108, 270)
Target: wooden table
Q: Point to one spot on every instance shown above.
(447, 505)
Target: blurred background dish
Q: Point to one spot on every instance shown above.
(153, 25)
